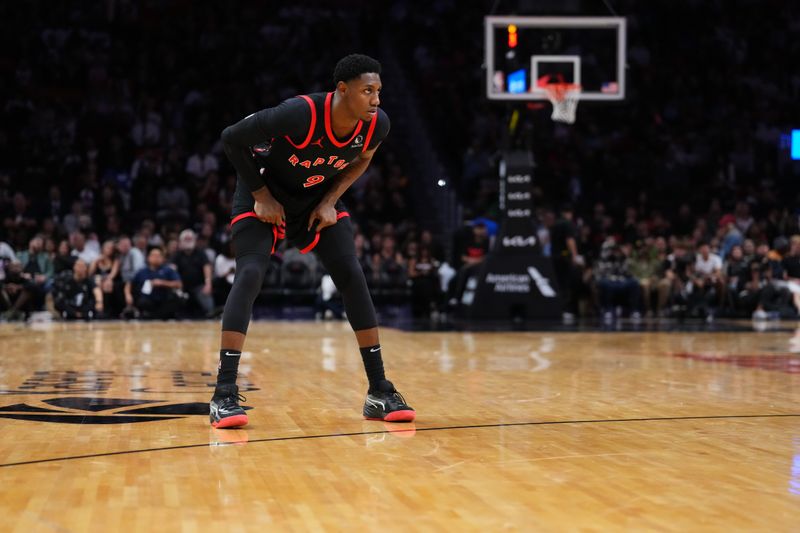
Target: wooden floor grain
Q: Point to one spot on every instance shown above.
(103, 430)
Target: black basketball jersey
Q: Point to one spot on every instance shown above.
(298, 152)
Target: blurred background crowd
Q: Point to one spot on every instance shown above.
(115, 193)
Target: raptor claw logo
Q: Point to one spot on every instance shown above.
(90, 410)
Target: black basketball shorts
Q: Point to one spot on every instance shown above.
(252, 236)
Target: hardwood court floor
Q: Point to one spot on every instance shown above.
(102, 430)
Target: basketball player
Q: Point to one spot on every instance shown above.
(294, 161)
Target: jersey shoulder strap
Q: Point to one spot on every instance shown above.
(312, 125)
(371, 130)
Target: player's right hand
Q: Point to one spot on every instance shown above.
(269, 210)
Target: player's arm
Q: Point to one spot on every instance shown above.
(238, 140)
(325, 211)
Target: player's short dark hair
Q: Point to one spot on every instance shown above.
(352, 66)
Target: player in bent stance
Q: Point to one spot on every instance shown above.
(294, 161)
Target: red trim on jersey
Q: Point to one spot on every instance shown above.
(311, 128)
(274, 238)
(342, 214)
(370, 131)
(312, 245)
(328, 128)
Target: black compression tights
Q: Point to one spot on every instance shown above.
(250, 270)
(337, 253)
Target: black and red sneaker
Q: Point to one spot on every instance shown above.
(224, 409)
(387, 404)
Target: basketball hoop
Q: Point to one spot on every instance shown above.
(564, 97)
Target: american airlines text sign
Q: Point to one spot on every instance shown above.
(520, 283)
(515, 279)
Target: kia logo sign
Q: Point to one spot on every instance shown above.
(519, 178)
(519, 213)
(519, 196)
(518, 241)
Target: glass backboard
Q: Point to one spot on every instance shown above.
(589, 51)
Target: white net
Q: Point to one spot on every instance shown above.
(564, 97)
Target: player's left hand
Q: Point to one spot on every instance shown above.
(326, 215)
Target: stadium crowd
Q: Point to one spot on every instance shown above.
(115, 193)
(652, 183)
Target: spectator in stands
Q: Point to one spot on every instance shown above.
(108, 287)
(567, 261)
(201, 163)
(81, 249)
(131, 259)
(423, 272)
(147, 128)
(389, 264)
(153, 291)
(646, 266)
(22, 216)
(743, 219)
(73, 293)
(616, 286)
(72, 220)
(471, 252)
(195, 272)
(736, 273)
(63, 259)
(172, 202)
(429, 241)
(298, 270)
(749, 250)
(773, 299)
(7, 255)
(16, 293)
(729, 235)
(363, 255)
(476, 247)
(37, 268)
(55, 209)
(224, 271)
(791, 270)
(707, 283)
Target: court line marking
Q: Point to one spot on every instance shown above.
(399, 430)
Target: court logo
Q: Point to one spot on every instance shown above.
(98, 411)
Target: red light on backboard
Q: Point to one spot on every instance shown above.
(512, 36)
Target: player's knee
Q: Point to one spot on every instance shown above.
(249, 276)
